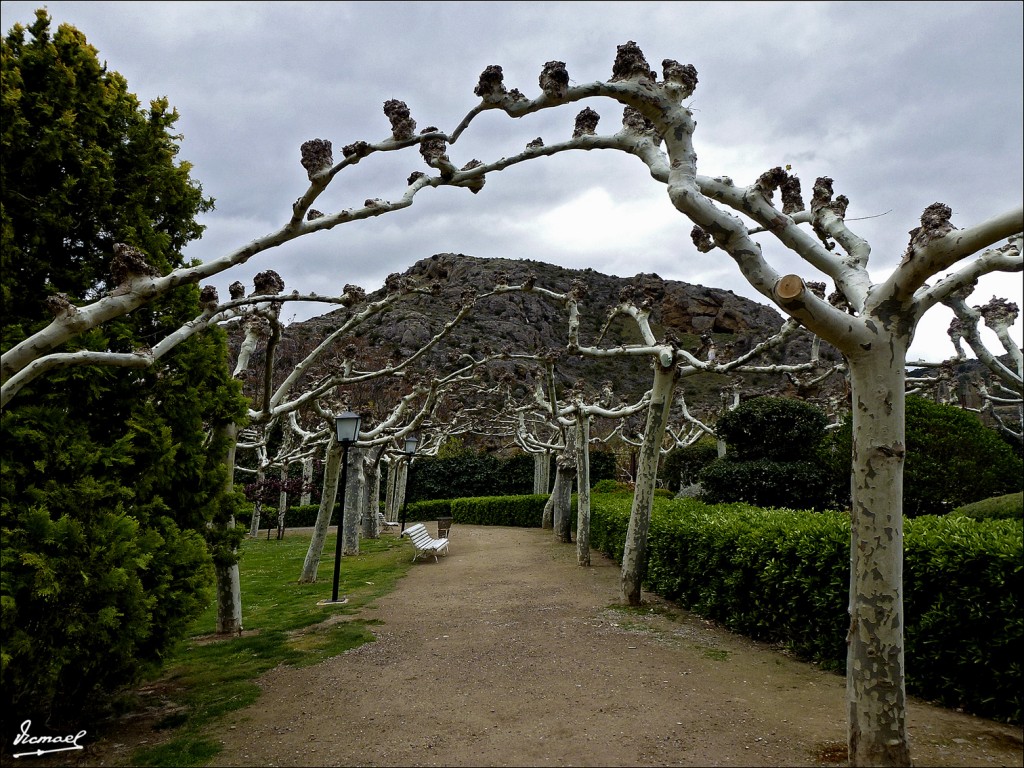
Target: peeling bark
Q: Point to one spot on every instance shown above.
(282, 502)
(875, 672)
(328, 496)
(561, 497)
(634, 556)
(541, 472)
(353, 502)
(307, 479)
(582, 488)
(229, 592)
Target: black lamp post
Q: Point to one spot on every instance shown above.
(347, 430)
(411, 441)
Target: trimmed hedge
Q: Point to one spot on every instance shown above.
(803, 484)
(416, 511)
(1010, 505)
(518, 511)
(783, 576)
(303, 516)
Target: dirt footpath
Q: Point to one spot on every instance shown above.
(508, 653)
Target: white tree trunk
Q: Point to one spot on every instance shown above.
(282, 502)
(582, 488)
(565, 468)
(375, 497)
(401, 488)
(391, 492)
(634, 556)
(307, 479)
(229, 592)
(254, 523)
(541, 472)
(875, 683)
(353, 502)
(547, 520)
(370, 524)
(328, 495)
(257, 508)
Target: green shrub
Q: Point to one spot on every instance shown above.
(772, 458)
(602, 466)
(962, 582)
(1010, 505)
(467, 474)
(952, 459)
(777, 428)
(783, 576)
(609, 520)
(683, 465)
(766, 483)
(519, 511)
(301, 516)
(428, 510)
(611, 486)
(463, 473)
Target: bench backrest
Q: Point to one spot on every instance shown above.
(420, 536)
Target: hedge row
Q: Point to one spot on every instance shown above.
(517, 511)
(783, 576)
(303, 516)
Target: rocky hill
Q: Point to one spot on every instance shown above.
(531, 323)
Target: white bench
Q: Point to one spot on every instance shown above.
(425, 543)
(383, 523)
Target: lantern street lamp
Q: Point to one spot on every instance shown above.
(347, 431)
(411, 441)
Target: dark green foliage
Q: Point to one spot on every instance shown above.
(776, 428)
(428, 510)
(683, 465)
(767, 483)
(462, 473)
(611, 486)
(609, 521)
(109, 475)
(772, 458)
(1007, 506)
(469, 474)
(519, 511)
(963, 580)
(602, 466)
(952, 459)
(783, 576)
(300, 516)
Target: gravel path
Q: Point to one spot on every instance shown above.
(508, 653)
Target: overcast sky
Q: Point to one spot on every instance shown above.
(902, 104)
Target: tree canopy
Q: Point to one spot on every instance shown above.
(952, 459)
(772, 456)
(109, 474)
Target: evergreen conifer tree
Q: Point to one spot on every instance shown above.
(110, 475)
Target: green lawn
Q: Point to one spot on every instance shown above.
(283, 625)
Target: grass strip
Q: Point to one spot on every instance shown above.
(209, 677)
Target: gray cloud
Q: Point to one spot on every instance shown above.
(903, 104)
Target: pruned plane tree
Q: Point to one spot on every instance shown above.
(870, 321)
